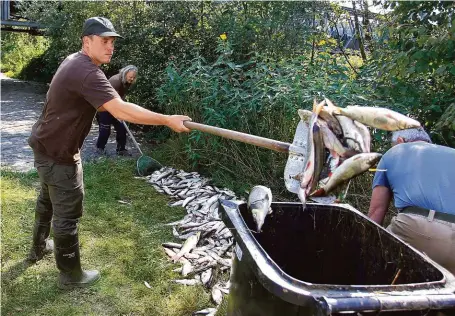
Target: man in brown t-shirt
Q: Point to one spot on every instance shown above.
(78, 89)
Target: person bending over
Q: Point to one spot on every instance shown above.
(421, 178)
(121, 82)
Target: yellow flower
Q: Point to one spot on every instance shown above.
(223, 36)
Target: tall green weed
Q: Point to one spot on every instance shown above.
(259, 97)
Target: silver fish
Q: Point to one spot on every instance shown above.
(224, 290)
(205, 259)
(331, 121)
(186, 268)
(169, 252)
(206, 275)
(171, 245)
(188, 200)
(225, 262)
(351, 133)
(205, 311)
(324, 199)
(307, 177)
(178, 203)
(188, 281)
(217, 296)
(189, 244)
(190, 255)
(347, 170)
(332, 143)
(259, 201)
(365, 136)
(380, 118)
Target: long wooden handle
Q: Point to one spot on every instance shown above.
(241, 137)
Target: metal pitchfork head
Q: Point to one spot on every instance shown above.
(296, 159)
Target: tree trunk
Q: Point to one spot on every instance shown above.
(314, 35)
(341, 46)
(366, 25)
(202, 15)
(358, 34)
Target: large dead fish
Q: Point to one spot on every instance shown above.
(331, 121)
(365, 136)
(351, 133)
(333, 162)
(307, 177)
(189, 244)
(347, 170)
(259, 201)
(332, 143)
(319, 154)
(381, 118)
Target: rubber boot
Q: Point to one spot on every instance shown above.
(69, 263)
(41, 244)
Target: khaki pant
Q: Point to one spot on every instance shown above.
(61, 195)
(435, 238)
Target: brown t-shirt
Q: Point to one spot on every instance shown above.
(117, 84)
(78, 88)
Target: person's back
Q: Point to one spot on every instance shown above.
(119, 86)
(421, 174)
(121, 82)
(421, 178)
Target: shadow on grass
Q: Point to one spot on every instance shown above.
(15, 271)
(26, 291)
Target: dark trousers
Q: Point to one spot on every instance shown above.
(105, 120)
(61, 195)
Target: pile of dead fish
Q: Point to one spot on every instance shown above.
(207, 244)
(344, 133)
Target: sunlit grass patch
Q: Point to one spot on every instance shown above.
(122, 240)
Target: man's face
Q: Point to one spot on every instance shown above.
(100, 49)
(130, 76)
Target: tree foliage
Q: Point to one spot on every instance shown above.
(248, 66)
(18, 49)
(414, 63)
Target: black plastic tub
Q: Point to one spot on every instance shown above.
(328, 259)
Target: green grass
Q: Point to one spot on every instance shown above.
(122, 241)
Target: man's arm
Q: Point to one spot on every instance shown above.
(379, 204)
(135, 114)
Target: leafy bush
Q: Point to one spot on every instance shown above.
(273, 58)
(259, 97)
(18, 51)
(413, 63)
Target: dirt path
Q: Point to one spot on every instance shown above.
(21, 105)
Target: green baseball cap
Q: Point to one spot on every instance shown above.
(99, 26)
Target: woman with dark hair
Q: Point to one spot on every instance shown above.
(121, 82)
